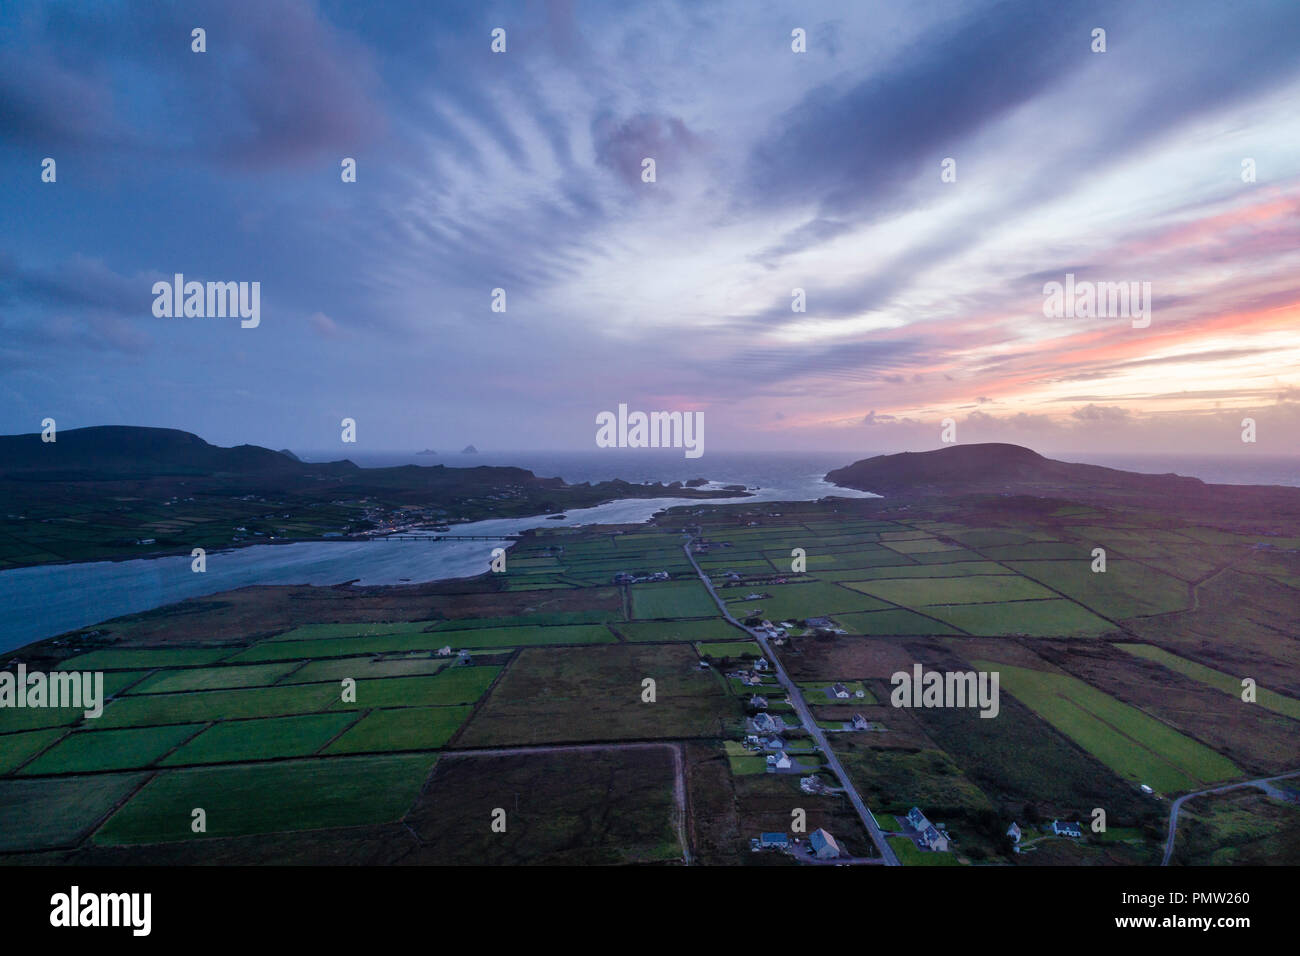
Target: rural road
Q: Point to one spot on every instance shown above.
(805, 716)
(1261, 782)
(679, 774)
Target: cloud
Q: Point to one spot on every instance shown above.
(622, 146)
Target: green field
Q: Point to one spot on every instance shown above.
(146, 657)
(405, 728)
(58, 811)
(1125, 589)
(270, 737)
(198, 706)
(1287, 706)
(671, 599)
(455, 685)
(129, 749)
(15, 748)
(212, 678)
(713, 629)
(360, 668)
(787, 602)
(730, 649)
(893, 621)
(1055, 618)
(432, 641)
(975, 589)
(910, 855)
(1130, 742)
(267, 798)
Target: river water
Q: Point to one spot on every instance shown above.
(44, 601)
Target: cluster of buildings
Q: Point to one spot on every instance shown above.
(931, 836)
(623, 577)
(462, 656)
(821, 844)
(753, 677)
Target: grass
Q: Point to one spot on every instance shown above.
(456, 685)
(16, 748)
(406, 728)
(1055, 618)
(893, 621)
(973, 589)
(1129, 741)
(1126, 588)
(714, 629)
(308, 632)
(56, 812)
(595, 693)
(359, 668)
(797, 601)
(130, 749)
(106, 660)
(212, 678)
(567, 808)
(265, 739)
(672, 599)
(147, 709)
(910, 855)
(1287, 706)
(468, 638)
(268, 798)
(732, 650)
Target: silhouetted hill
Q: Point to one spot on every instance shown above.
(996, 467)
(121, 451)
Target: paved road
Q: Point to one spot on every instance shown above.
(805, 716)
(679, 773)
(1261, 782)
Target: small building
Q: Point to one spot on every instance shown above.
(761, 664)
(840, 691)
(781, 761)
(860, 722)
(929, 835)
(1013, 831)
(774, 841)
(765, 724)
(444, 651)
(819, 622)
(823, 845)
(935, 839)
(758, 703)
(1147, 790)
(1072, 830)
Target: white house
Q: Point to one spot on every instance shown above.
(823, 845)
(1067, 829)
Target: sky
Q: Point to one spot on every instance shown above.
(775, 170)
